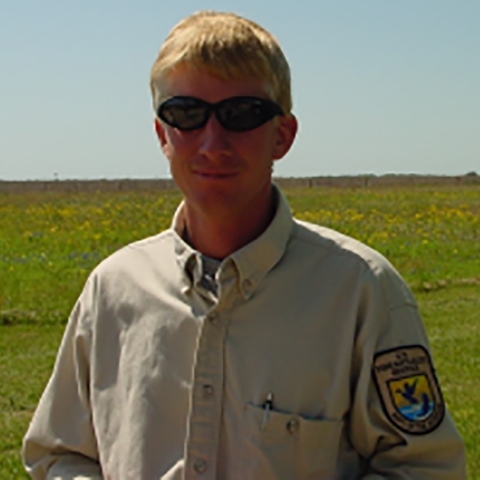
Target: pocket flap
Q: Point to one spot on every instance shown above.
(278, 426)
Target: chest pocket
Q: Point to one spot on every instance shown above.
(288, 446)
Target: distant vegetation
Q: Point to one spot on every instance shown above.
(126, 185)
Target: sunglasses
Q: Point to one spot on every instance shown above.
(236, 113)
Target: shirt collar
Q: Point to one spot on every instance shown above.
(253, 261)
(256, 259)
(188, 259)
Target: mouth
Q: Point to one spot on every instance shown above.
(214, 175)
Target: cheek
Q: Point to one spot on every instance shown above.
(260, 143)
(177, 145)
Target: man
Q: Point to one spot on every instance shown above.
(241, 343)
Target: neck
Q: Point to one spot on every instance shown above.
(221, 235)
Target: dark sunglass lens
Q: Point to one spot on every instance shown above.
(184, 113)
(246, 113)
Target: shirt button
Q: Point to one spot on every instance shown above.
(207, 391)
(200, 466)
(293, 426)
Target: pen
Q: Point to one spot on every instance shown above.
(267, 406)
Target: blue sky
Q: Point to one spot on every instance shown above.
(379, 86)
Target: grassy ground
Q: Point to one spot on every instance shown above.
(452, 320)
(49, 243)
(27, 353)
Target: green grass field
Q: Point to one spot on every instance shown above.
(49, 242)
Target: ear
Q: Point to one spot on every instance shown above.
(285, 135)
(160, 131)
(162, 137)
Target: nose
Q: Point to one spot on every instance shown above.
(214, 140)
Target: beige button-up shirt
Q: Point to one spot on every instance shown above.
(158, 379)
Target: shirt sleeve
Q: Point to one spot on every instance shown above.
(399, 423)
(60, 442)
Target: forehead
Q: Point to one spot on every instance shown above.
(206, 86)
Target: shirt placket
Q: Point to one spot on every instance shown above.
(207, 396)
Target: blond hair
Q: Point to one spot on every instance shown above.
(227, 46)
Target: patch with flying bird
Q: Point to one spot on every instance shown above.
(408, 389)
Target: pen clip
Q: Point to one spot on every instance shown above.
(267, 406)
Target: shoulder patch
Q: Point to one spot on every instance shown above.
(409, 389)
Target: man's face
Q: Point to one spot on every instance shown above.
(222, 172)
